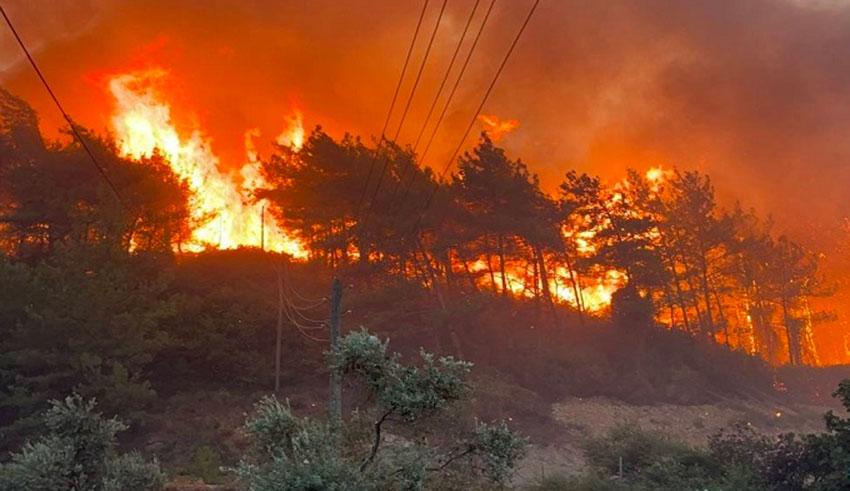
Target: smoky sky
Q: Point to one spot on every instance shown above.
(756, 93)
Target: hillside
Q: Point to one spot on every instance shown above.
(558, 384)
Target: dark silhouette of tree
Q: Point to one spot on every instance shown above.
(509, 216)
(51, 195)
(698, 237)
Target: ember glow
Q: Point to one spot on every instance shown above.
(225, 214)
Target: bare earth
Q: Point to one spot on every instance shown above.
(583, 418)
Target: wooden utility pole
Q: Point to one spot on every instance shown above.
(279, 328)
(335, 397)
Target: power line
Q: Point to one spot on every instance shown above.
(477, 113)
(406, 108)
(446, 75)
(74, 130)
(313, 302)
(457, 81)
(392, 103)
(421, 69)
(421, 158)
(291, 303)
(436, 98)
(285, 309)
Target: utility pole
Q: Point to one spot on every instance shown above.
(335, 397)
(279, 328)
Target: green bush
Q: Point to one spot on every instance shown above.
(292, 453)
(206, 464)
(638, 449)
(650, 461)
(131, 472)
(87, 320)
(78, 453)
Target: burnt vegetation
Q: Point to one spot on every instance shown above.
(97, 298)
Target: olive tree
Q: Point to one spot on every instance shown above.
(292, 453)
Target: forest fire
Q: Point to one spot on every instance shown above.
(475, 224)
(541, 218)
(225, 213)
(646, 230)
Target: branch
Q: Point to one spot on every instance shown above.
(469, 450)
(377, 441)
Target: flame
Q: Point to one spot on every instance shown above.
(293, 135)
(224, 213)
(596, 292)
(497, 128)
(656, 174)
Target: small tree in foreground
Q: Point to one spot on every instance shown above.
(78, 453)
(292, 453)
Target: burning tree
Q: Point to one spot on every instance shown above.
(712, 273)
(51, 195)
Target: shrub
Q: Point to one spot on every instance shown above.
(206, 464)
(650, 461)
(292, 453)
(79, 452)
(639, 449)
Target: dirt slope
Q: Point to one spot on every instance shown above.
(582, 418)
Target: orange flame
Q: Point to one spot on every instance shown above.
(497, 128)
(293, 135)
(224, 213)
(595, 292)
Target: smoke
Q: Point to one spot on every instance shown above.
(755, 93)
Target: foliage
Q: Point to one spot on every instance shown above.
(499, 449)
(817, 461)
(404, 390)
(79, 452)
(639, 451)
(737, 458)
(50, 194)
(292, 453)
(131, 472)
(83, 296)
(206, 464)
(88, 320)
(300, 453)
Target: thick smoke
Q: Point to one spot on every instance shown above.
(755, 92)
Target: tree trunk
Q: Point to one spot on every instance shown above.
(448, 265)
(544, 277)
(722, 316)
(432, 277)
(492, 274)
(681, 298)
(470, 275)
(786, 319)
(574, 280)
(706, 293)
(501, 245)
